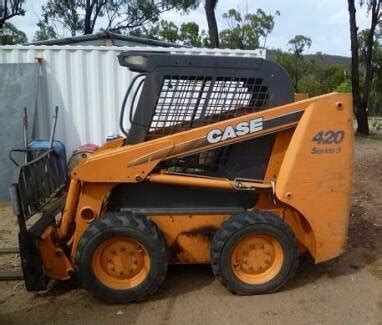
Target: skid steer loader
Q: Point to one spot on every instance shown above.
(219, 166)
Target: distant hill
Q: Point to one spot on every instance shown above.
(319, 58)
(326, 59)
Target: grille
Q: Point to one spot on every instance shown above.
(185, 102)
(191, 101)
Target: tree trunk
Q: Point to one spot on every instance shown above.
(364, 128)
(362, 119)
(88, 14)
(360, 109)
(296, 74)
(211, 20)
(1, 32)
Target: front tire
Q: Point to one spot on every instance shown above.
(254, 253)
(122, 257)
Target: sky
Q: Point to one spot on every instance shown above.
(326, 22)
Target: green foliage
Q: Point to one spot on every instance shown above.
(318, 80)
(45, 32)
(375, 98)
(375, 102)
(187, 34)
(298, 44)
(10, 9)
(282, 58)
(82, 16)
(245, 30)
(11, 35)
(63, 13)
(314, 78)
(191, 36)
(344, 87)
(168, 31)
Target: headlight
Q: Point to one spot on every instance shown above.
(137, 60)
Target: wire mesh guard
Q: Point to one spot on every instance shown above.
(192, 101)
(38, 182)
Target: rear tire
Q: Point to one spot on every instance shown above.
(122, 257)
(254, 253)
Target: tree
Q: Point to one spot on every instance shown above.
(210, 6)
(361, 100)
(45, 32)
(317, 79)
(298, 44)
(8, 10)
(11, 35)
(375, 98)
(190, 35)
(315, 76)
(245, 30)
(168, 31)
(187, 34)
(163, 30)
(81, 16)
(151, 31)
(344, 87)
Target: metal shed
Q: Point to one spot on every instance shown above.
(105, 38)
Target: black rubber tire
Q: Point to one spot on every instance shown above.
(234, 229)
(116, 224)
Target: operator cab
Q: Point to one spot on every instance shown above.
(181, 90)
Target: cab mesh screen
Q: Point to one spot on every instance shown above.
(191, 101)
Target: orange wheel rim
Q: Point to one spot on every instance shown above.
(256, 259)
(121, 263)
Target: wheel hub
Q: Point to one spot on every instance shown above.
(121, 262)
(257, 258)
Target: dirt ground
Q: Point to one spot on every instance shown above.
(347, 290)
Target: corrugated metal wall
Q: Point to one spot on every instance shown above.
(87, 84)
(14, 78)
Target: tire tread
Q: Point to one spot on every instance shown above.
(234, 224)
(132, 221)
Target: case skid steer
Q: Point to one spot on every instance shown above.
(219, 166)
